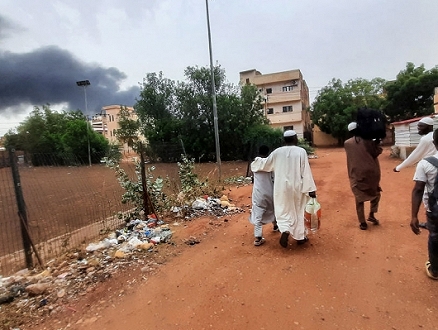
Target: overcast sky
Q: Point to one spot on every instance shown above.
(46, 46)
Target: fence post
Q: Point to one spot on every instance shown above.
(22, 215)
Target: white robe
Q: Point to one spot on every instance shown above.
(293, 182)
(424, 149)
(262, 211)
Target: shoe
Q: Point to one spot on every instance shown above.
(259, 242)
(374, 221)
(429, 272)
(275, 228)
(363, 226)
(302, 241)
(284, 238)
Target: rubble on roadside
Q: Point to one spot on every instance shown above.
(47, 292)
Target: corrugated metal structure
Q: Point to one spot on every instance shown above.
(406, 132)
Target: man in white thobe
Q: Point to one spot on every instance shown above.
(293, 186)
(425, 148)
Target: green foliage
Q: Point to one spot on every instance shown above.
(182, 114)
(114, 152)
(336, 104)
(411, 94)
(133, 194)
(62, 135)
(188, 179)
(258, 135)
(306, 146)
(128, 130)
(191, 188)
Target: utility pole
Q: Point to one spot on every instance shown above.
(86, 83)
(213, 91)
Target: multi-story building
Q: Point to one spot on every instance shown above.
(286, 99)
(107, 122)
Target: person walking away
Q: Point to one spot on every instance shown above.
(425, 147)
(293, 186)
(424, 177)
(262, 211)
(364, 174)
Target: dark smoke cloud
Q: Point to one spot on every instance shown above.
(49, 75)
(7, 26)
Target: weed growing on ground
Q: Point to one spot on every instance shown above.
(191, 187)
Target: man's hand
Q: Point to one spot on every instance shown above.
(395, 169)
(312, 194)
(415, 226)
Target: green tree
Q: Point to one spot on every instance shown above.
(157, 115)
(47, 136)
(182, 114)
(336, 104)
(411, 94)
(128, 131)
(237, 109)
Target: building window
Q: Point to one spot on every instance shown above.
(288, 88)
(268, 90)
(247, 81)
(270, 111)
(286, 128)
(287, 108)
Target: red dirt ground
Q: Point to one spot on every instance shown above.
(344, 278)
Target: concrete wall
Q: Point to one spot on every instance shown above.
(321, 139)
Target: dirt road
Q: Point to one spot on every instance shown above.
(345, 278)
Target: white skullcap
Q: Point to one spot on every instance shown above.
(289, 132)
(352, 126)
(426, 120)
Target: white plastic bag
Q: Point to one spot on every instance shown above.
(312, 215)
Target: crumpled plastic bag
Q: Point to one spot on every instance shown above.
(312, 215)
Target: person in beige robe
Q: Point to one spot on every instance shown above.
(364, 174)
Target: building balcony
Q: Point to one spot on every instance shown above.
(283, 97)
(285, 117)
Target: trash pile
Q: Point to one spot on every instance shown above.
(206, 205)
(48, 292)
(137, 235)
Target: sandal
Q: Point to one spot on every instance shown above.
(374, 221)
(259, 242)
(363, 226)
(429, 272)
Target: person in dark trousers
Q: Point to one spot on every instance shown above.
(424, 177)
(364, 174)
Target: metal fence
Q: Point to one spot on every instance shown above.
(47, 210)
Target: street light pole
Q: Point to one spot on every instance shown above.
(86, 83)
(213, 90)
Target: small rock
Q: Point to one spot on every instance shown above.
(37, 289)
